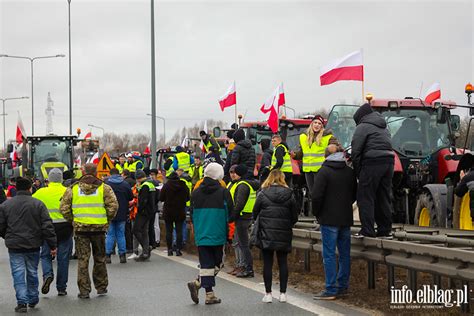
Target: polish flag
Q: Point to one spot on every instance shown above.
(349, 67)
(433, 93)
(20, 130)
(201, 144)
(272, 105)
(14, 157)
(229, 98)
(88, 135)
(147, 149)
(94, 159)
(78, 161)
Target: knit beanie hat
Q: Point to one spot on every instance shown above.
(361, 112)
(239, 135)
(214, 171)
(55, 175)
(139, 174)
(241, 170)
(202, 133)
(318, 118)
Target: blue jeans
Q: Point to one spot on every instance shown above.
(116, 233)
(185, 234)
(62, 257)
(341, 237)
(26, 286)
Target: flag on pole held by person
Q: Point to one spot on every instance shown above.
(433, 93)
(229, 98)
(20, 130)
(147, 150)
(88, 135)
(272, 105)
(94, 159)
(349, 67)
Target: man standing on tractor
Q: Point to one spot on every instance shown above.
(281, 158)
(210, 143)
(373, 161)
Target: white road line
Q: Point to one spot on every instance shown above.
(293, 300)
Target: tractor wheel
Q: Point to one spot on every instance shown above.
(426, 214)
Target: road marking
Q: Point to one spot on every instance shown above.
(292, 300)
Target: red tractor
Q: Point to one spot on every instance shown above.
(426, 167)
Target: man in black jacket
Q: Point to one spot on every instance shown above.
(266, 161)
(25, 224)
(334, 192)
(373, 161)
(281, 158)
(146, 207)
(243, 153)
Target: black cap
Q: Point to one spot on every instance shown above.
(202, 133)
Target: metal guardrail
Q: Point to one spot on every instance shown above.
(441, 252)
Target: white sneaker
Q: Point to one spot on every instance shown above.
(267, 298)
(133, 256)
(282, 297)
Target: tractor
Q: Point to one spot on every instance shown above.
(426, 159)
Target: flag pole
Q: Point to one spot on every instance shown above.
(363, 93)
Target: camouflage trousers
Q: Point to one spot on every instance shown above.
(99, 271)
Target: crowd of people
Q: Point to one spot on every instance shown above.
(227, 202)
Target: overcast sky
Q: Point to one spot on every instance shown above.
(202, 46)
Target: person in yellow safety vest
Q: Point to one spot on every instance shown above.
(313, 144)
(47, 166)
(182, 160)
(145, 209)
(197, 171)
(137, 164)
(243, 192)
(210, 143)
(121, 164)
(90, 204)
(281, 158)
(168, 166)
(51, 196)
(129, 161)
(183, 176)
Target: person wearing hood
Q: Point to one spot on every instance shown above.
(174, 194)
(116, 232)
(333, 195)
(243, 191)
(281, 158)
(313, 143)
(51, 196)
(244, 153)
(266, 161)
(373, 161)
(211, 211)
(90, 225)
(275, 213)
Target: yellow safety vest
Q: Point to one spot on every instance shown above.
(184, 161)
(286, 166)
(49, 165)
(127, 165)
(208, 145)
(51, 197)
(313, 156)
(170, 169)
(148, 184)
(248, 208)
(89, 209)
(200, 170)
(190, 188)
(120, 168)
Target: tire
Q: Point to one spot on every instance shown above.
(426, 214)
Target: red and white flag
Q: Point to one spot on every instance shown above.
(94, 159)
(14, 157)
(147, 149)
(78, 161)
(88, 135)
(201, 144)
(20, 130)
(349, 67)
(272, 105)
(433, 93)
(229, 98)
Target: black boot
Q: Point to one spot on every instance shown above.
(123, 258)
(108, 259)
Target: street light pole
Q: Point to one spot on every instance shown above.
(153, 87)
(32, 59)
(70, 81)
(4, 114)
(103, 130)
(164, 124)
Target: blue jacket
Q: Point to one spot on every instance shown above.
(124, 194)
(211, 211)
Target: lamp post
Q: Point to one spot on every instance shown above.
(4, 114)
(287, 107)
(153, 85)
(32, 59)
(70, 82)
(103, 130)
(164, 124)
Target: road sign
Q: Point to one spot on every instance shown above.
(104, 166)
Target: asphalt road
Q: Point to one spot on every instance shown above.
(159, 287)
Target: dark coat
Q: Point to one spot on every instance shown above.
(174, 194)
(371, 143)
(334, 192)
(25, 223)
(278, 212)
(146, 201)
(241, 196)
(123, 193)
(244, 154)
